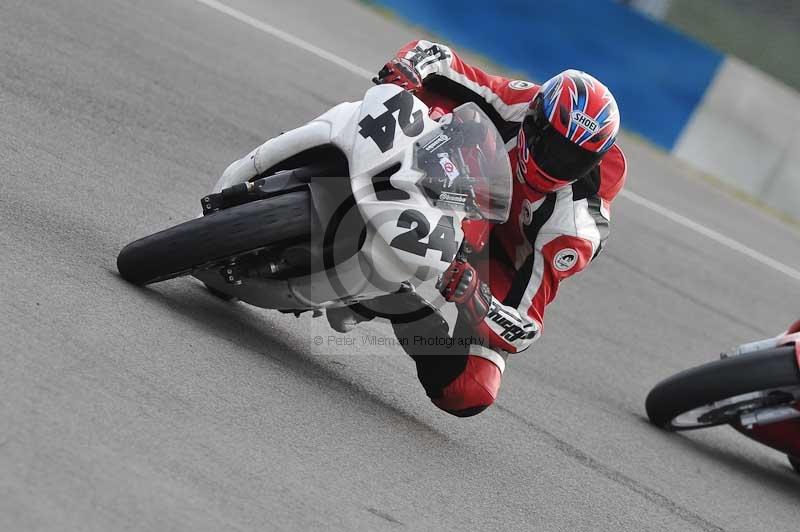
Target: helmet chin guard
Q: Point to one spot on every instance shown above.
(530, 172)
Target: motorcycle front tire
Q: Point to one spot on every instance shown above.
(719, 380)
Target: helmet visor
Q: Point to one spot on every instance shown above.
(553, 153)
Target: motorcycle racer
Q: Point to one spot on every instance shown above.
(561, 141)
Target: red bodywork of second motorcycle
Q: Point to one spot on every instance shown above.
(783, 436)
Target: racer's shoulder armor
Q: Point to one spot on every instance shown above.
(613, 169)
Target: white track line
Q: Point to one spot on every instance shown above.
(631, 196)
(287, 37)
(710, 233)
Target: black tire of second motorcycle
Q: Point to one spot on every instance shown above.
(185, 247)
(718, 380)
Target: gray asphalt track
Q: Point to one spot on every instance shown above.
(167, 409)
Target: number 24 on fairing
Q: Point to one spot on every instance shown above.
(443, 237)
(382, 129)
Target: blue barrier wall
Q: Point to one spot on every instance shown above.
(657, 75)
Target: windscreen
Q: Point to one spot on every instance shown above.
(466, 165)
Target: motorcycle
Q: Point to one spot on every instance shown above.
(370, 198)
(754, 388)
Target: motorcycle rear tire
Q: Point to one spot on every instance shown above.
(186, 247)
(719, 380)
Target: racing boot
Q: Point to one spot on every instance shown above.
(345, 319)
(417, 324)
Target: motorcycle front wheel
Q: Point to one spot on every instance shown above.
(719, 392)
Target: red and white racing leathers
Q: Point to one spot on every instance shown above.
(548, 237)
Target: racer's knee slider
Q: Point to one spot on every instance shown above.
(472, 391)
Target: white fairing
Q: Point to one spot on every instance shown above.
(382, 215)
(375, 134)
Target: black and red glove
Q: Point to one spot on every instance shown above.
(460, 284)
(401, 72)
